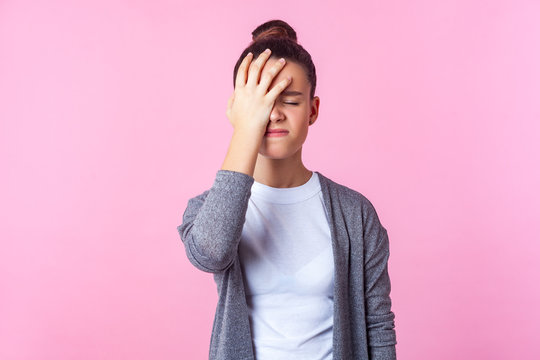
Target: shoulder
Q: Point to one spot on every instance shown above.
(350, 200)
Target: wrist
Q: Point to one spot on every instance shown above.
(248, 138)
(242, 153)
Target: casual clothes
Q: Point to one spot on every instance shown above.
(363, 323)
(288, 268)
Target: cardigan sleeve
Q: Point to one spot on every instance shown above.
(379, 317)
(212, 222)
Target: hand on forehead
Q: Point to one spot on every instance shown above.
(291, 69)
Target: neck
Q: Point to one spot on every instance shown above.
(281, 173)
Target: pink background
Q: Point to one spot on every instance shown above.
(113, 116)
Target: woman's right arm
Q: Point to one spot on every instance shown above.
(213, 221)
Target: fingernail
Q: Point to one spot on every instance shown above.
(267, 50)
(282, 60)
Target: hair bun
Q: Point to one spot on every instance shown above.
(275, 29)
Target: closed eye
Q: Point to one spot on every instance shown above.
(291, 103)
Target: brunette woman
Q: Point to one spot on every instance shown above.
(300, 262)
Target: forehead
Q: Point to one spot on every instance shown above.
(299, 78)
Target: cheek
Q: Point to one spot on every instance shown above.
(302, 127)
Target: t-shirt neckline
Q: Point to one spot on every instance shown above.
(290, 195)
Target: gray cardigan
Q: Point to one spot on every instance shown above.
(363, 320)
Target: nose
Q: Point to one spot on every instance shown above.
(276, 114)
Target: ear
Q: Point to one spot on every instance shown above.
(314, 114)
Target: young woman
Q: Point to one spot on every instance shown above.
(300, 262)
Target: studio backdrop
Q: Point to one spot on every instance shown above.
(112, 115)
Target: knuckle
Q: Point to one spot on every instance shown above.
(267, 77)
(255, 67)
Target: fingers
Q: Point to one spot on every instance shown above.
(256, 67)
(278, 88)
(241, 74)
(268, 76)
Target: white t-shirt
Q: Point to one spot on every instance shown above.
(287, 260)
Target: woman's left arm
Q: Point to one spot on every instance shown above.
(379, 316)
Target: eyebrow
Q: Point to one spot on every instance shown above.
(291, 93)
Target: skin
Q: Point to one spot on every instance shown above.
(261, 101)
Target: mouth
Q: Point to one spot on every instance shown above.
(276, 132)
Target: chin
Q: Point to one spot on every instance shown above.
(274, 155)
(277, 153)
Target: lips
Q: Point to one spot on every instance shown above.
(276, 132)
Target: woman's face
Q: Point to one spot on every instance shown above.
(291, 115)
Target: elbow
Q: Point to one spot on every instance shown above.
(209, 261)
(209, 253)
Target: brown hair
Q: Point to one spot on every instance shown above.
(279, 37)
